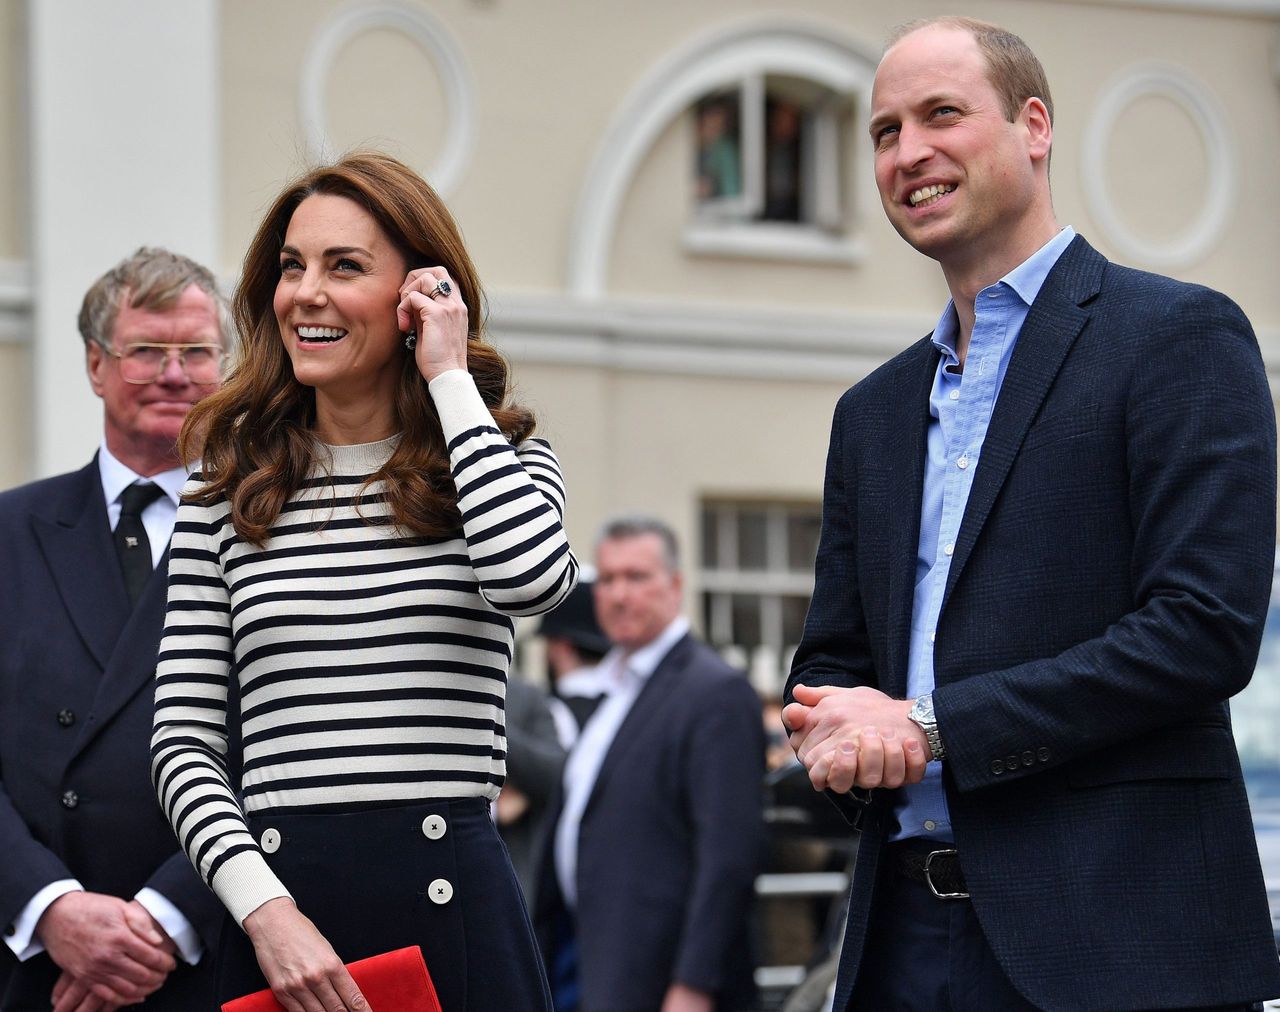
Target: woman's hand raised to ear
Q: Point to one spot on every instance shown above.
(432, 307)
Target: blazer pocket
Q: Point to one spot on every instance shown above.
(1200, 751)
(1060, 426)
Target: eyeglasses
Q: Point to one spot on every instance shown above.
(146, 363)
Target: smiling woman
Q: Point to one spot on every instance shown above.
(370, 515)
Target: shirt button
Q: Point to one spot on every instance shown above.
(70, 799)
(440, 891)
(66, 717)
(963, 462)
(433, 827)
(270, 841)
(930, 825)
(955, 395)
(948, 549)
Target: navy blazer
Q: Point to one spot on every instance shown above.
(1106, 597)
(77, 669)
(671, 841)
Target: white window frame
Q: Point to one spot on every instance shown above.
(730, 226)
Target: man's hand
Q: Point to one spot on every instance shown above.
(304, 972)
(855, 737)
(111, 946)
(70, 994)
(682, 998)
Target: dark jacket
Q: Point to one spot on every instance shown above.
(670, 842)
(1106, 596)
(76, 675)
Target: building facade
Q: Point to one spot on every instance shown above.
(671, 205)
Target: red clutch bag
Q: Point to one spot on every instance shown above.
(391, 982)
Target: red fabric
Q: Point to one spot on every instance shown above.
(391, 982)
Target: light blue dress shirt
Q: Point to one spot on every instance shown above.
(960, 408)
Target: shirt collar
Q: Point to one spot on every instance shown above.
(1025, 281)
(116, 477)
(643, 662)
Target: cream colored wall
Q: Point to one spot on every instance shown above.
(661, 444)
(1157, 169)
(549, 77)
(15, 358)
(15, 414)
(13, 189)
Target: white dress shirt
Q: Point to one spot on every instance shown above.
(157, 519)
(623, 676)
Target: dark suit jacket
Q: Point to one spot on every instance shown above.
(1105, 598)
(76, 675)
(671, 841)
(535, 762)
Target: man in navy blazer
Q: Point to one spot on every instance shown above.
(660, 832)
(100, 909)
(1046, 556)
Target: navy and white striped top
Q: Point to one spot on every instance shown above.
(371, 666)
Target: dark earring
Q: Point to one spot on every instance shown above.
(410, 339)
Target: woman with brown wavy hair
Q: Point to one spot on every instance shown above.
(370, 514)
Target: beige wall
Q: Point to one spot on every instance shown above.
(549, 77)
(15, 358)
(13, 190)
(15, 412)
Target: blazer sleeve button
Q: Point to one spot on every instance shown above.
(1042, 754)
(997, 766)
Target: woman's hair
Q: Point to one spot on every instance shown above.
(254, 434)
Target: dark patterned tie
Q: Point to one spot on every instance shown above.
(132, 545)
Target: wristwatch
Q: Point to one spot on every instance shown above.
(921, 713)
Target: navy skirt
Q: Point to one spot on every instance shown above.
(433, 874)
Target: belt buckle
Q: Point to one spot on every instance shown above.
(928, 876)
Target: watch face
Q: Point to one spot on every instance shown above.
(922, 709)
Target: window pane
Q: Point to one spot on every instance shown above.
(794, 609)
(719, 147)
(803, 530)
(710, 537)
(783, 142)
(746, 620)
(751, 539)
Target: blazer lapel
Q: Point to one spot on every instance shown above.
(1052, 325)
(77, 547)
(656, 693)
(132, 665)
(907, 447)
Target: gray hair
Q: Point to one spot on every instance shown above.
(152, 278)
(635, 525)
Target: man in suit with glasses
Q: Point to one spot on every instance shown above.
(99, 907)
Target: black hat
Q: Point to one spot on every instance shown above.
(574, 619)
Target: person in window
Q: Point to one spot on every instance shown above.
(370, 515)
(719, 157)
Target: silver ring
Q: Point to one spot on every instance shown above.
(442, 288)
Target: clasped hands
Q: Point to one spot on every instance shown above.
(111, 951)
(855, 737)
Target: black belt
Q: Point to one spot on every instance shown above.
(932, 863)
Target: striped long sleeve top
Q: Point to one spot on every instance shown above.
(370, 666)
